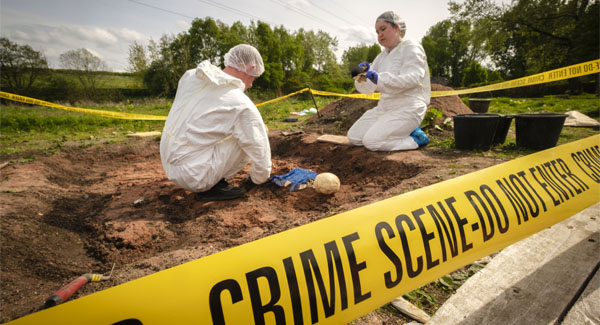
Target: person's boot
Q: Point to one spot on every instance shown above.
(220, 192)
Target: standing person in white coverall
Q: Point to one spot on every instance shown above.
(213, 129)
(401, 74)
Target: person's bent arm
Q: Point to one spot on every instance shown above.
(251, 134)
(413, 71)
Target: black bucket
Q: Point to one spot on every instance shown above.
(502, 129)
(479, 105)
(539, 130)
(475, 131)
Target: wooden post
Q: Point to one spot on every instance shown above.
(314, 102)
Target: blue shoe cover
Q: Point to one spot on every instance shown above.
(420, 137)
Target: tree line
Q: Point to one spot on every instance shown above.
(522, 38)
(293, 59)
(480, 43)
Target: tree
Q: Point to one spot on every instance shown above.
(166, 68)
(160, 79)
(449, 48)
(531, 36)
(374, 51)
(20, 65)
(203, 40)
(86, 65)
(138, 59)
(269, 46)
(234, 35)
(474, 75)
(494, 76)
(292, 60)
(354, 55)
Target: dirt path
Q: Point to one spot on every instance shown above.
(83, 209)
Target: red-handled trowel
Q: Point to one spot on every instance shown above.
(64, 293)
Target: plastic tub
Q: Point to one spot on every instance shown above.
(479, 105)
(502, 129)
(475, 131)
(539, 130)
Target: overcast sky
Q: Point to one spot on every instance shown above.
(107, 27)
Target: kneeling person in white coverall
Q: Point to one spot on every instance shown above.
(213, 129)
(401, 74)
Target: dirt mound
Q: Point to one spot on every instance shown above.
(338, 116)
(449, 105)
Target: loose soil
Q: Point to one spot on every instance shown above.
(83, 209)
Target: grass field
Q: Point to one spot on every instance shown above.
(105, 79)
(25, 129)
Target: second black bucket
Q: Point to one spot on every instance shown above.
(539, 130)
(479, 105)
(502, 129)
(475, 131)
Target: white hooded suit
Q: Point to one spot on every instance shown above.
(212, 131)
(405, 92)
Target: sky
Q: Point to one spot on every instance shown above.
(108, 27)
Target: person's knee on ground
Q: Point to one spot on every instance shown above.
(355, 136)
(356, 141)
(375, 141)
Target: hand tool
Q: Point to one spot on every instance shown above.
(64, 293)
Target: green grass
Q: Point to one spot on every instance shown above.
(105, 79)
(24, 128)
(587, 104)
(120, 81)
(274, 114)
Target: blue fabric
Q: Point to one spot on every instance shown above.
(296, 177)
(373, 76)
(420, 137)
(365, 66)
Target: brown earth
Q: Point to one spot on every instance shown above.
(83, 209)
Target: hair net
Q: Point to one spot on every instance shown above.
(393, 18)
(245, 58)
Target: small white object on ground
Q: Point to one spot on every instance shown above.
(326, 183)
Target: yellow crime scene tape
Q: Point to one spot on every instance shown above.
(337, 269)
(573, 71)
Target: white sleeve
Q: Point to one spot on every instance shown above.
(251, 133)
(408, 72)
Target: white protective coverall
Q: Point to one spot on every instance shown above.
(212, 131)
(405, 92)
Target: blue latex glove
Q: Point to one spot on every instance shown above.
(296, 177)
(365, 66)
(420, 137)
(373, 76)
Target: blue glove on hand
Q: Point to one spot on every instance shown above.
(365, 66)
(296, 178)
(373, 76)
